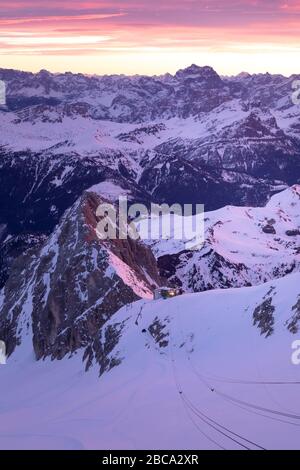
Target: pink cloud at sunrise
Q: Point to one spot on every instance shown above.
(151, 37)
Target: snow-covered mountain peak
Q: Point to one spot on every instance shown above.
(197, 72)
(207, 371)
(288, 200)
(243, 246)
(169, 369)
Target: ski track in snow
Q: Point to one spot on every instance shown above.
(137, 404)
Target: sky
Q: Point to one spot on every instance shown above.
(150, 36)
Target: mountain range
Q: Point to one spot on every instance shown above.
(99, 361)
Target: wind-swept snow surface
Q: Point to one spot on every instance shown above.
(202, 371)
(243, 246)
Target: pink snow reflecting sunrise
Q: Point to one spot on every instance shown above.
(149, 229)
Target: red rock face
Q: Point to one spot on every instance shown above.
(65, 288)
(70, 287)
(242, 247)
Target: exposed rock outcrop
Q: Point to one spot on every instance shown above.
(66, 290)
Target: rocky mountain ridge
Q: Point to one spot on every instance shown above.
(243, 246)
(62, 292)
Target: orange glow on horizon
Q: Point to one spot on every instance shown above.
(136, 37)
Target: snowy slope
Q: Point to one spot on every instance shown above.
(191, 137)
(243, 246)
(71, 283)
(209, 370)
(230, 120)
(239, 387)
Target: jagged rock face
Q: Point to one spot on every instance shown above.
(137, 99)
(68, 289)
(189, 92)
(243, 160)
(263, 316)
(36, 189)
(207, 344)
(191, 136)
(13, 246)
(176, 180)
(270, 310)
(242, 247)
(294, 322)
(194, 137)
